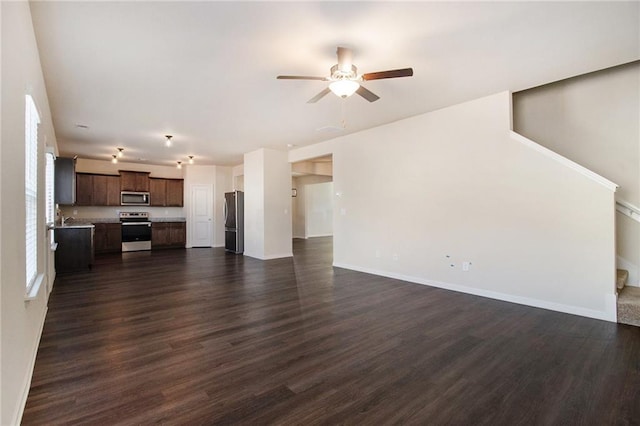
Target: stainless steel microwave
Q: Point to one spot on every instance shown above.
(134, 198)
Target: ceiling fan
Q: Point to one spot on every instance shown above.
(345, 80)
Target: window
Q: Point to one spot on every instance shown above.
(31, 190)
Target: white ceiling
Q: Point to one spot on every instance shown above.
(205, 71)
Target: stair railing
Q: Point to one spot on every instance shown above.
(628, 209)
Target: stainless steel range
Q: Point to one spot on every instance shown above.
(136, 231)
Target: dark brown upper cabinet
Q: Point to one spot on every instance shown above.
(134, 181)
(97, 190)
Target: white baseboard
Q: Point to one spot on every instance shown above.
(608, 315)
(633, 279)
(26, 385)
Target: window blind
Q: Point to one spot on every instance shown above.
(31, 190)
(50, 214)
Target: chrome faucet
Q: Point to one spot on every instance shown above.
(64, 219)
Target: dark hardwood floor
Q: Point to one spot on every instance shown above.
(199, 336)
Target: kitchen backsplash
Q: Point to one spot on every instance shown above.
(81, 212)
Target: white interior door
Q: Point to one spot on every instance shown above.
(201, 215)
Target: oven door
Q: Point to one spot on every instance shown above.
(136, 236)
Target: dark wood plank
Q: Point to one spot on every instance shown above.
(200, 336)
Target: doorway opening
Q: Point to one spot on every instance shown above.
(312, 199)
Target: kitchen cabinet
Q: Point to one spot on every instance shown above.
(134, 181)
(168, 235)
(175, 193)
(178, 234)
(107, 238)
(75, 248)
(159, 235)
(65, 181)
(97, 190)
(84, 189)
(157, 192)
(166, 192)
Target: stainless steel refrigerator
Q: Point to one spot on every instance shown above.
(234, 221)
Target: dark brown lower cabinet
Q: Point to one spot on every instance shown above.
(75, 248)
(108, 238)
(168, 235)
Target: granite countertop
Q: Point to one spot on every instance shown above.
(168, 219)
(90, 220)
(75, 226)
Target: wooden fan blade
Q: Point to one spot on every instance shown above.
(367, 94)
(300, 77)
(345, 59)
(404, 72)
(319, 96)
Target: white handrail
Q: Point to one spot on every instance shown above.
(628, 209)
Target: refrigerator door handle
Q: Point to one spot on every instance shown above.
(225, 211)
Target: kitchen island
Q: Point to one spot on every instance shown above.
(75, 247)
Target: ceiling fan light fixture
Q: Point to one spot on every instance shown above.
(167, 143)
(344, 88)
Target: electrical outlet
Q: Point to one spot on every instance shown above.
(378, 254)
(465, 266)
(395, 256)
(75, 212)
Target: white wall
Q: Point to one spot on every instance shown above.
(453, 186)
(84, 165)
(319, 209)
(21, 321)
(237, 173)
(277, 205)
(298, 203)
(254, 204)
(267, 204)
(593, 120)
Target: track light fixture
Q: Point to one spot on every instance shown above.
(120, 152)
(114, 159)
(191, 159)
(167, 143)
(179, 166)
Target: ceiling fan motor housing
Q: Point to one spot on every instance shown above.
(338, 74)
